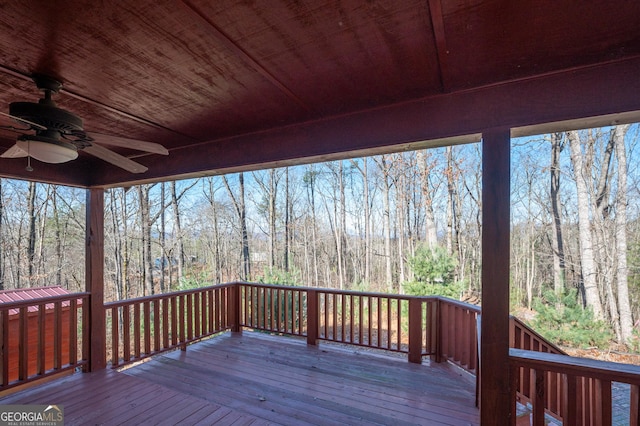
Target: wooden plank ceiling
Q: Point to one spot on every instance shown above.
(231, 84)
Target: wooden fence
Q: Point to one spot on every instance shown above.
(42, 337)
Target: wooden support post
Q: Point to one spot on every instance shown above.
(94, 276)
(495, 403)
(312, 317)
(415, 331)
(235, 309)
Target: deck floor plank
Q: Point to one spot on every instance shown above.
(257, 379)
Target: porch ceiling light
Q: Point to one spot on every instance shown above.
(47, 150)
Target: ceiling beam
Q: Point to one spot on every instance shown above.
(577, 95)
(437, 23)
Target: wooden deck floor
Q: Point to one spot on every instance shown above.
(258, 379)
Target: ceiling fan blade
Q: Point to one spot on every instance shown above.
(115, 159)
(14, 152)
(31, 124)
(152, 147)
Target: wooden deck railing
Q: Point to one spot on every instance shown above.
(523, 337)
(458, 329)
(146, 326)
(581, 389)
(42, 337)
(573, 390)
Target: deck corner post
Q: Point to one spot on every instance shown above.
(495, 403)
(235, 309)
(415, 330)
(312, 317)
(94, 278)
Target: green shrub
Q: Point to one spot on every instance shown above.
(561, 319)
(280, 276)
(433, 271)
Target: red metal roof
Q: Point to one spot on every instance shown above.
(18, 295)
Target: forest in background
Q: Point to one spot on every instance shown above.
(405, 222)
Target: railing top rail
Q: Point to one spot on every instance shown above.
(119, 303)
(43, 300)
(605, 370)
(537, 335)
(475, 308)
(338, 291)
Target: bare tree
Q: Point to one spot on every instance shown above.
(31, 249)
(239, 204)
(589, 282)
(622, 272)
(385, 167)
(557, 246)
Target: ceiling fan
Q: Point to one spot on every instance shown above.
(54, 135)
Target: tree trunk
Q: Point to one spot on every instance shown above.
(177, 223)
(386, 220)
(216, 263)
(346, 277)
(622, 272)
(589, 283)
(557, 244)
(431, 235)
(163, 238)
(31, 248)
(287, 219)
(239, 204)
(272, 218)
(58, 235)
(145, 221)
(310, 183)
(452, 227)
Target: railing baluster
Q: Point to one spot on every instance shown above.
(211, 313)
(157, 331)
(399, 324)
(136, 330)
(115, 338)
(165, 323)
(73, 332)
(147, 326)
(203, 315)
(334, 309)
(369, 318)
(285, 309)
(42, 324)
(5, 347)
(324, 306)
(569, 401)
(603, 401)
(389, 331)
(196, 315)
(126, 334)
(351, 339)
(538, 400)
(23, 348)
(57, 331)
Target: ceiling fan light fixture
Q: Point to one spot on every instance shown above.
(53, 152)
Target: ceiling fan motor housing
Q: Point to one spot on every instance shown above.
(46, 114)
